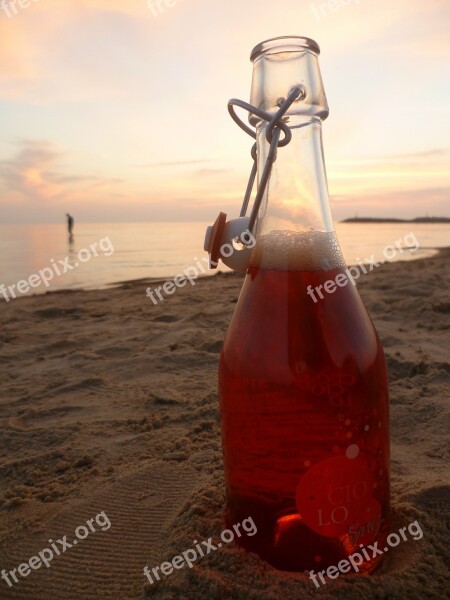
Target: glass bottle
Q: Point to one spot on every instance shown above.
(302, 377)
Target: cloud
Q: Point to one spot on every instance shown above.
(73, 51)
(176, 163)
(437, 153)
(24, 174)
(407, 203)
(37, 172)
(438, 196)
(210, 172)
(391, 175)
(400, 185)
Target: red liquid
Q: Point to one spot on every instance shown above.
(305, 423)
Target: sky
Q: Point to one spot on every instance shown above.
(117, 110)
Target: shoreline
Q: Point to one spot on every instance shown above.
(161, 280)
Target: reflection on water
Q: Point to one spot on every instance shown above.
(165, 249)
(72, 252)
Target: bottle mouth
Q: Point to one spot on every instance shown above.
(285, 43)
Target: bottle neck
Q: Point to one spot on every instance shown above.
(295, 228)
(297, 195)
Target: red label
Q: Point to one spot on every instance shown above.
(337, 493)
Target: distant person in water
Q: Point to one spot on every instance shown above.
(70, 222)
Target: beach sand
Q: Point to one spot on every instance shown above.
(109, 403)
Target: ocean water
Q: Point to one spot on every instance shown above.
(161, 250)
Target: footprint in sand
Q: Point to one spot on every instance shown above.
(107, 565)
(166, 319)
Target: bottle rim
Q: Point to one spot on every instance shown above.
(284, 43)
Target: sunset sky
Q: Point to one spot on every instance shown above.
(116, 111)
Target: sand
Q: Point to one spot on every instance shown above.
(109, 403)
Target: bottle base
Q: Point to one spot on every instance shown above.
(288, 544)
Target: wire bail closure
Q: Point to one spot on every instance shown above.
(224, 232)
(274, 129)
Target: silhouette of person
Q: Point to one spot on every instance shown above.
(70, 222)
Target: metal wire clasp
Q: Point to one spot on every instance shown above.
(220, 235)
(273, 132)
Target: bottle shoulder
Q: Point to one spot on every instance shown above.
(278, 321)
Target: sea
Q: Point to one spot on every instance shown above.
(131, 251)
